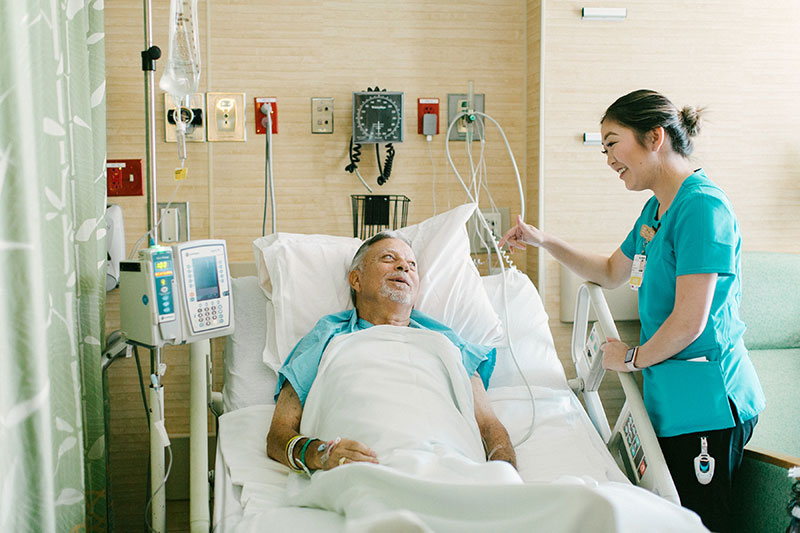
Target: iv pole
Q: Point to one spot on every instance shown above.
(149, 56)
(199, 351)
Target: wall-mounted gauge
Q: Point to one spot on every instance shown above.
(377, 117)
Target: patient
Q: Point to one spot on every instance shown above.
(384, 285)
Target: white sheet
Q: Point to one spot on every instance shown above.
(404, 393)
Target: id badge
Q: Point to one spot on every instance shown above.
(637, 271)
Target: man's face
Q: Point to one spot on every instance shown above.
(389, 272)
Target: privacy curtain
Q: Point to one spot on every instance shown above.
(52, 265)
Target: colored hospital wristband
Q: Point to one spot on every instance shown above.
(303, 452)
(290, 452)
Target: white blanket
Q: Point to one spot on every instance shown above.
(405, 393)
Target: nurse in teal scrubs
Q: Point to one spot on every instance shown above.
(683, 256)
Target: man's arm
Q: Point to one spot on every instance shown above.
(286, 425)
(494, 434)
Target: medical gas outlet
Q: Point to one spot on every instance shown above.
(458, 104)
(194, 115)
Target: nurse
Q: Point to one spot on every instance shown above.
(683, 256)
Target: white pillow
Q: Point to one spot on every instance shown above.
(306, 278)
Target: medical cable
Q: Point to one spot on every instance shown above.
(433, 166)
(269, 183)
(141, 384)
(355, 159)
(483, 221)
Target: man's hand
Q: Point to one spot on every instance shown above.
(344, 452)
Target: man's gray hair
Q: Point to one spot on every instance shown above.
(358, 260)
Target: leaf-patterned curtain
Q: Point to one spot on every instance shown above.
(52, 265)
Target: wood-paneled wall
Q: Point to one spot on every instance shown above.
(295, 50)
(738, 61)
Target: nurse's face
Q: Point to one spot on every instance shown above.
(632, 162)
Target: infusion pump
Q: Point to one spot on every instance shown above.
(177, 294)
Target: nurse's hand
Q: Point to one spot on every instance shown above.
(522, 234)
(614, 355)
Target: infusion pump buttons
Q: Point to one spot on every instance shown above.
(206, 288)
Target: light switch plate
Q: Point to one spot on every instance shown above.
(226, 115)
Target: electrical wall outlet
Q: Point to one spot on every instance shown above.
(427, 106)
(261, 118)
(124, 177)
(457, 103)
(196, 130)
(225, 118)
(321, 115)
(498, 224)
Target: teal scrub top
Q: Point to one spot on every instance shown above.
(300, 368)
(690, 392)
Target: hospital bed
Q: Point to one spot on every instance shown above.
(566, 451)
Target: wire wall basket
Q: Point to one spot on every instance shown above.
(373, 213)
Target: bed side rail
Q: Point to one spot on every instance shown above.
(633, 441)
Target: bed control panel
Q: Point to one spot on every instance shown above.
(633, 447)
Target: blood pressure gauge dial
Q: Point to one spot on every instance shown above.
(377, 117)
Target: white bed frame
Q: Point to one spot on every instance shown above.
(633, 420)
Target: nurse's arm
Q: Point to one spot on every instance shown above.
(693, 296)
(607, 271)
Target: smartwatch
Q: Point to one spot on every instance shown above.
(630, 359)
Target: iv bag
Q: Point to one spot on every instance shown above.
(182, 74)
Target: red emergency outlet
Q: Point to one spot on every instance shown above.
(427, 106)
(124, 177)
(261, 118)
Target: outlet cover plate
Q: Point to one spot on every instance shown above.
(261, 124)
(124, 177)
(321, 115)
(427, 106)
(226, 117)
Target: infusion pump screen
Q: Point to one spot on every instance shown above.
(205, 278)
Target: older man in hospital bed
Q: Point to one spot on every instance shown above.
(400, 431)
(428, 361)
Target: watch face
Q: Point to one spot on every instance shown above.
(629, 355)
(377, 117)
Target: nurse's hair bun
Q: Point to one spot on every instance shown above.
(690, 118)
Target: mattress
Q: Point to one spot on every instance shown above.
(563, 448)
